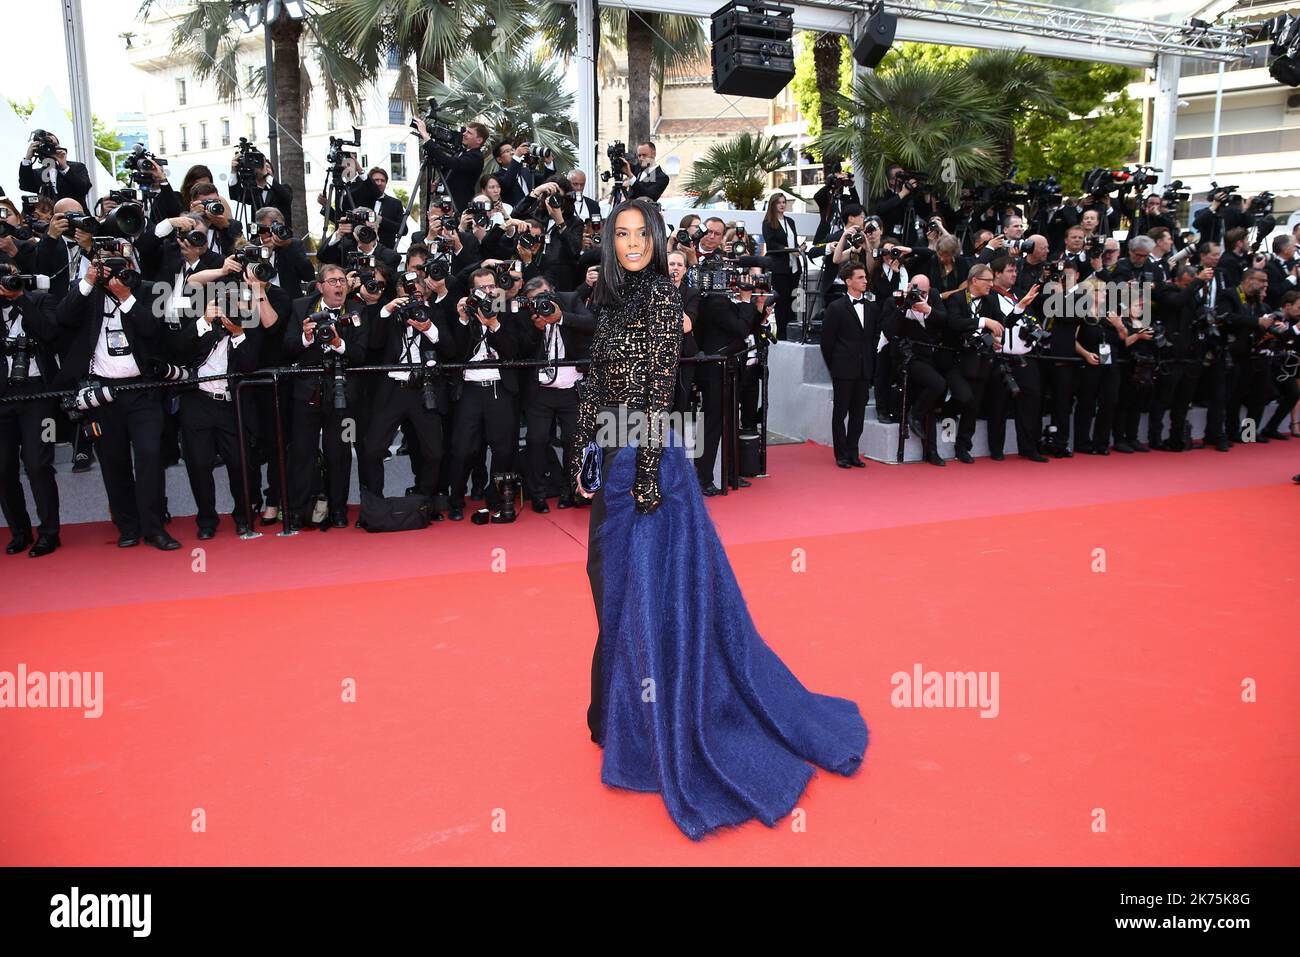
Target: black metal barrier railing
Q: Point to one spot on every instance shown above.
(272, 377)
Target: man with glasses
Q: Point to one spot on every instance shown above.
(288, 256)
(971, 313)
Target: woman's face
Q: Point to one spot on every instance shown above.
(632, 240)
(779, 205)
(493, 191)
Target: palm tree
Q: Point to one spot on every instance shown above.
(658, 45)
(208, 38)
(426, 34)
(1023, 83)
(736, 169)
(930, 118)
(517, 96)
(826, 65)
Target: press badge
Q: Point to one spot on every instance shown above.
(1103, 353)
(117, 344)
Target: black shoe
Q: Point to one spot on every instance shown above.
(856, 462)
(436, 517)
(476, 493)
(206, 533)
(242, 528)
(1123, 448)
(540, 506)
(997, 456)
(843, 463)
(964, 456)
(81, 462)
(456, 514)
(339, 518)
(20, 543)
(934, 458)
(44, 545)
(128, 541)
(1275, 434)
(887, 417)
(1033, 456)
(163, 542)
(264, 521)
(746, 483)
(566, 501)
(1140, 447)
(1223, 445)
(917, 426)
(294, 524)
(708, 491)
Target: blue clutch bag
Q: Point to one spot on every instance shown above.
(592, 456)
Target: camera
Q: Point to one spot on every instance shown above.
(45, 145)
(354, 260)
(195, 237)
(22, 233)
(124, 195)
(481, 213)
(839, 181)
(327, 327)
(1096, 246)
(213, 207)
(502, 276)
(277, 229)
(414, 310)
(479, 303)
(1100, 181)
(449, 222)
(16, 282)
(446, 136)
(533, 157)
(119, 268)
(543, 304)
(334, 158)
(555, 200)
(248, 164)
(87, 224)
(1220, 193)
(256, 261)
(617, 153)
(136, 161)
(1031, 332)
(1176, 192)
(18, 348)
(167, 372)
(90, 395)
(686, 237)
(528, 240)
(363, 229)
(1051, 272)
(981, 340)
(1025, 245)
(909, 297)
(410, 282)
(439, 267)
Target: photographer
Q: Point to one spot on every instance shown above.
(510, 173)
(1248, 373)
(389, 211)
(856, 242)
(258, 190)
(1213, 221)
(320, 334)
(13, 250)
(1153, 215)
(974, 323)
(45, 169)
(490, 192)
(837, 192)
(678, 269)
(915, 325)
(114, 339)
(1100, 339)
(1278, 345)
(538, 164)
(1237, 257)
(357, 236)
(1061, 309)
(555, 325)
(409, 331)
(948, 269)
(214, 344)
(1182, 305)
(1138, 266)
(353, 190)
(29, 364)
(908, 201)
(850, 328)
(1013, 346)
(462, 168)
(779, 233)
(563, 231)
(485, 398)
(583, 205)
(1283, 270)
(648, 179)
(187, 264)
(288, 262)
(205, 201)
(65, 251)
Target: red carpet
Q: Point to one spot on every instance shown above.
(470, 647)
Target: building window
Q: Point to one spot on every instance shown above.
(306, 114)
(396, 112)
(620, 109)
(306, 167)
(394, 59)
(334, 119)
(203, 134)
(225, 131)
(252, 128)
(162, 143)
(180, 91)
(252, 76)
(185, 138)
(397, 160)
(361, 114)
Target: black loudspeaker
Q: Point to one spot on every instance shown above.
(752, 52)
(1285, 69)
(876, 39)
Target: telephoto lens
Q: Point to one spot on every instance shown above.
(20, 359)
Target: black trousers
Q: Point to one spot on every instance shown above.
(394, 406)
(207, 427)
(130, 459)
(24, 428)
(482, 413)
(1219, 381)
(263, 398)
(786, 287)
(848, 410)
(1064, 375)
(1268, 388)
(543, 408)
(708, 377)
(1134, 399)
(1173, 394)
(967, 391)
(595, 575)
(1028, 408)
(1094, 410)
(311, 424)
(883, 381)
(750, 382)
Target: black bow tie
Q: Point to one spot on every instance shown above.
(859, 302)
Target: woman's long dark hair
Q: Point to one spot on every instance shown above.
(192, 176)
(772, 218)
(612, 276)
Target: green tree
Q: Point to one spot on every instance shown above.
(830, 52)
(516, 96)
(735, 169)
(208, 38)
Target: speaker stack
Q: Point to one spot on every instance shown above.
(876, 39)
(753, 54)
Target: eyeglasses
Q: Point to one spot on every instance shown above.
(334, 281)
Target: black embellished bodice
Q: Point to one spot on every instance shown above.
(634, 363)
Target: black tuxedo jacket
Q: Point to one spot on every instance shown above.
(337, 253)
(391, 213)
(576, 330)
(961, 321)
(51, 259)
(651, 190)
(192, 349)
(512, 182)
(41, 327)
(776, 239)
(462, 170)
(82, 319)
(277, 195)
(723, 324)
(313, 355)
(505, 341)
(1278, 285)
(849, 346)
(72, 184)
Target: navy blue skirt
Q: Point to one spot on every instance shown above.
(692, 702)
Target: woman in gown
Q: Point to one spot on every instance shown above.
(686, 698)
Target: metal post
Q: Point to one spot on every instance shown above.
(1218, 111)
(79, 86)
(279, 449)
(273, 124)
(1164, 112)
(243, 460)
(588, 39)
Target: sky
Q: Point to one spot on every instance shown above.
(35, 57)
